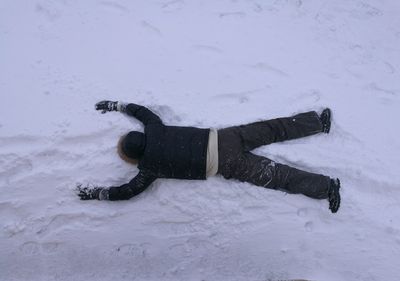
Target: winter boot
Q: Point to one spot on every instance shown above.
(325, 118)
(334, 195)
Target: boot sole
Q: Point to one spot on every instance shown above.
(328, 114)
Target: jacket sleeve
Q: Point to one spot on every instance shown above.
(141, 113)
(137, 185)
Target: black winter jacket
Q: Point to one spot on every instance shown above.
(170, 152)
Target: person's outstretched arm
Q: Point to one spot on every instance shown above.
(142, 113)
(124, 192)
(137, 185)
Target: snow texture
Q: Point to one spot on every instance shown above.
(205, 64)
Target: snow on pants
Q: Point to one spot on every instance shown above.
(237, 162)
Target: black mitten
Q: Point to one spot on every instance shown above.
(87, 193)
(107, 105)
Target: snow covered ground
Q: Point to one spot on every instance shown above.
(206, 64)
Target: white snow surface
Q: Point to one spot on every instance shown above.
(204, 64)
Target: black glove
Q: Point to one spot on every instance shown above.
(87, 193)
(107, 105)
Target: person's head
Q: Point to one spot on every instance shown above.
(131, 147)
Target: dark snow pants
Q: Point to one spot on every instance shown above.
(237, 162)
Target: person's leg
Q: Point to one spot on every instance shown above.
(264, 172)
(280, 129)
(230, 147)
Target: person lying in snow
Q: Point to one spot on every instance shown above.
(196, 154)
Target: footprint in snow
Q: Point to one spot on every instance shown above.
(302, 212)
(31, 248)
(309, 226)
(133, 250)
(129, 250)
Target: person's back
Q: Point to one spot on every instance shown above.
(175, 152)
